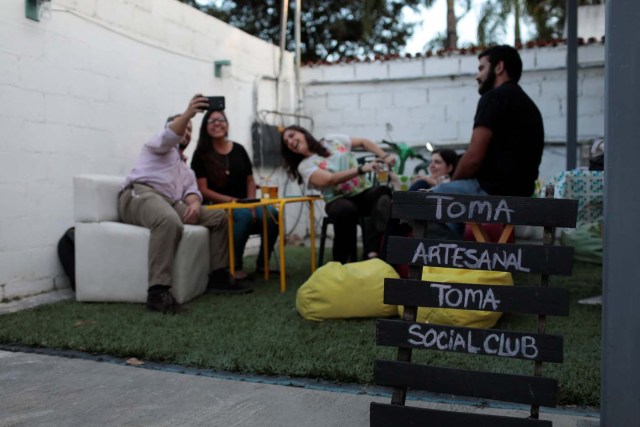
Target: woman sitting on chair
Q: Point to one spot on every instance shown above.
(224, 173)
(329, 165)
(441, 168)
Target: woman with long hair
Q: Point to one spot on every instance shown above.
(224, 173)
(329, 165)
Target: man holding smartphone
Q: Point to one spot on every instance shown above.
(161, 194)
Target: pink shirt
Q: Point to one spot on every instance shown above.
(160, 166)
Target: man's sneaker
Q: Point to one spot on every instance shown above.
(221, 282)
(159, 298)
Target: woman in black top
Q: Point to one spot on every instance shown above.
(224, 173)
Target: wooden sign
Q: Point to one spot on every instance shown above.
(438, 207)
(488, 342)
(480, 256)
(486, 385)
(384, 415)
(463, 296)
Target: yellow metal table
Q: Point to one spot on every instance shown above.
(263, 203)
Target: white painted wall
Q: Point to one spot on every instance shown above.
(82, 91)
(434, 99)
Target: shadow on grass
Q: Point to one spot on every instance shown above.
(262, 333)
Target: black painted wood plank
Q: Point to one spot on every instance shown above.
(505, 387)
(385, 415)
(487, 342)
(535, 259)
(510, 299)
(544, 212)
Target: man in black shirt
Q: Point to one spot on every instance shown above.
(508, 135)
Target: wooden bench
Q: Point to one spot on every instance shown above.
(407, 334)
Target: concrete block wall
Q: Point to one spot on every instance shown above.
(83, 90)
(416, 100)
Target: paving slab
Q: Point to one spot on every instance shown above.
(44, 390)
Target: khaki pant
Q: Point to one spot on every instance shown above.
(142, 205)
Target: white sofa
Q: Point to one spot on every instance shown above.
(111, 257)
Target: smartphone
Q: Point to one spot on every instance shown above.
(247, 200)
(215, 103)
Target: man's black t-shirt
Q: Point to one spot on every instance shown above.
(510, 167)
(237, 163)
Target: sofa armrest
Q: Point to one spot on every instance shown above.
(95, 197)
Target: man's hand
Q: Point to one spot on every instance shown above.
(197, 104)
(191, 214)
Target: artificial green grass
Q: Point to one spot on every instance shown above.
(262, 333)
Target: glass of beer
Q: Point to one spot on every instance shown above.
(383, 173)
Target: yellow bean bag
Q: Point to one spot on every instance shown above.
(455, 317)
(337, 291)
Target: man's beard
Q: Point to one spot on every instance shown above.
(488, 83)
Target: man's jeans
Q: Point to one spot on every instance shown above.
(461, 186)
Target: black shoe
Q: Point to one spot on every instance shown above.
(159, 298)
(221, 283)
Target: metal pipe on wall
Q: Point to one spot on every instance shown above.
(297, 65)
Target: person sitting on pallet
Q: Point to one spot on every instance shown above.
(161, 194)
(506, 145)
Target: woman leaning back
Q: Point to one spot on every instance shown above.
(329, 165)
(225, 174)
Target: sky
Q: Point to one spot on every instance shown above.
(434, 20)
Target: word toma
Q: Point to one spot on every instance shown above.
(475, 207)
(452, 297)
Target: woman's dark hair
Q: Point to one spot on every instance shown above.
(291, 159)
(450, 157)
(206, 151)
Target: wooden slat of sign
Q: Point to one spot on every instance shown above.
(486, 385)
(385, 415)
(484, 209)
(510, 299)
(487, 342)
(480, 256)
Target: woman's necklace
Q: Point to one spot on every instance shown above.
(226, 157)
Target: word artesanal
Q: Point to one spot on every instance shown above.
(452, 255)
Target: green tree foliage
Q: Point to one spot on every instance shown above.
(547, 17)
(329, 29)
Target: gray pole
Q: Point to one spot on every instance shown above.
(620, 394)
(572, 82)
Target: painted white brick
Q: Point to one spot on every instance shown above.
(347, 103)
(31, 287)
(448, 96)
(426, 114)
(373, 100)
(24, 103)
(591, 125)
(371, 70)
(406, 68)
(22, 167)
(591, 54)
(339, 72)
(591, 106)
(552, 58)
(410, 97)
(437, 66)
(9, 69)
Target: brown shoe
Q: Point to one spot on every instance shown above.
(161, 300)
